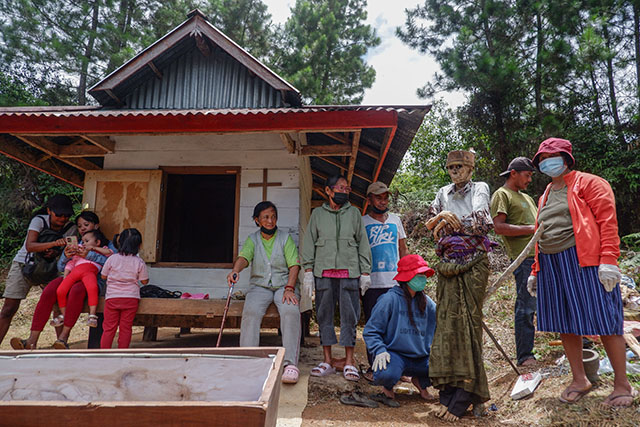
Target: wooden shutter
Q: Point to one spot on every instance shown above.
(124, 199)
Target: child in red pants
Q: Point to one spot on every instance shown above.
(80, 269)
(122, 272)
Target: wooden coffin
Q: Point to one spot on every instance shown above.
(172, 387)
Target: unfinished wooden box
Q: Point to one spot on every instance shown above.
(184, 386)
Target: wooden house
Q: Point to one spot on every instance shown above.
(189, 135)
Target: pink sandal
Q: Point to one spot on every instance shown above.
(290, 374)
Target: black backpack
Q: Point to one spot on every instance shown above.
(153, 291)
(41, 269)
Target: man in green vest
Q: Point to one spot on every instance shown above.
(273, 256)
(514, 216)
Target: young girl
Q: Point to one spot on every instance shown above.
(85, 270)
(123, 271)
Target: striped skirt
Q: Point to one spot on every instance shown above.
(571, 299)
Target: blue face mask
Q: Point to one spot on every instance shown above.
(553, 166)
(418, 282)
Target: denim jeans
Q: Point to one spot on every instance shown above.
(524, 310)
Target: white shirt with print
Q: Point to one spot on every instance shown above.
(385, 252)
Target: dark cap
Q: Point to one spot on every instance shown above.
(552, 146)
(60, 204)
(519, 164)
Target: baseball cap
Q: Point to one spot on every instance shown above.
(519, 164)
(410, 265)
(554, 145)
(377, 188)
(60, 204)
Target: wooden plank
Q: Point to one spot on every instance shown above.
(51, 148)
(11, 148)
(357, 172)
(325, 150)
(354, 154)
(107, 144)
(288, 141)
(369, 151)
(155, 70)
(79, 151)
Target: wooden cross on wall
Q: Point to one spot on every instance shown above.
(264, 184)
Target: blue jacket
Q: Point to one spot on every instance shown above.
(389, 327)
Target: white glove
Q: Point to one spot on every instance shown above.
(365, 283)
(609, 276)
(307, 284)
(532, 286)
(381, 361)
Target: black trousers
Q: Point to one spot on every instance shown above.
(368, 302)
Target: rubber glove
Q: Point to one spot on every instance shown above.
(307, 284)
(381, 361)
(609, 276)
(532, 286)
(365, 283)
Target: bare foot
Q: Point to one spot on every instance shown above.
(424, 393)
(531, 362)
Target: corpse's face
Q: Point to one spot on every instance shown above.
(459, 173)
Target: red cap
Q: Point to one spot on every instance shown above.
(410, 265)
(553, 145)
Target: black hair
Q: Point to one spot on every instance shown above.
(263, 206)
(567, 159)
(99, 236)
(88, 216)
(129, 241)
(421, 298)
(333, 180)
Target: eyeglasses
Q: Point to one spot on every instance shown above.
(342, 188)
(62, 215)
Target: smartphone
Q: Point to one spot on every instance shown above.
(71, 240)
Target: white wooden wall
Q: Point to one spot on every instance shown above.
(251, 152)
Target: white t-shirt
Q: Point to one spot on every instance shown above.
(36, 224)
(385, 253)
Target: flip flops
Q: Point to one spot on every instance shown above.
(322, 370)
(565, 396)
(290, 374)
(356, 398)
(386, 400)
(61, 345)
(349, 372)
(18, 344)
(609, 401)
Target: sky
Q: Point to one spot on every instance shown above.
(400, 70)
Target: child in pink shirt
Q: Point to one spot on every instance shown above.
(81, 269)
(123, 271)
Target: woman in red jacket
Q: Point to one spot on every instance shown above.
(575, 274)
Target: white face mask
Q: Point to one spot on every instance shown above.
(460, 175)
(553, 166)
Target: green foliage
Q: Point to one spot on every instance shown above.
(321, 50)
(632, 241)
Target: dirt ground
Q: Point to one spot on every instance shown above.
(323, 408)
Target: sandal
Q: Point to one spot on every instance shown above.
(564, 397)
(92, 321)
(608, 402)
(350, 373)
(383, 398)
(57, 321)
(290, 374)
(19, 344)
(356, 398)
(61, 345)
(322, 370)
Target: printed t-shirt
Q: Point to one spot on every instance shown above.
(520, 210)
(123, 273)
(383, 239)
(290, 250)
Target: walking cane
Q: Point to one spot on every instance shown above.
(226, 309)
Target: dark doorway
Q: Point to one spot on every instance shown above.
(199, 218)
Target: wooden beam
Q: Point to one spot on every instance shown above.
(114, 97)
(104, 142)
(325, 150)
(202, 44)
(51, 148)
(338, 137)
(75, 151)
(324, 176)
(155, 70)
(357, 172)
(288, 142)
(354, 155)
(11, 148)
(369, 152)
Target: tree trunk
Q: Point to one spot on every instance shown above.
(124, 22)
(612, 86)
(538, 78)
(88, 53)
(596, 96)
(636, 37)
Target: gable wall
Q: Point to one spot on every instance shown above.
(251, 152)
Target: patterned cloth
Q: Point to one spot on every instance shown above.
(461, 249)
(456, 351)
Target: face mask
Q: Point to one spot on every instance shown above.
(418, 283)
(553, 166)
(379, 211)
(267, 231)
(340, 198)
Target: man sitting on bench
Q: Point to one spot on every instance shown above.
(274, 271)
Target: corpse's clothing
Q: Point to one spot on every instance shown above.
(384, 240)
(470, 204)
